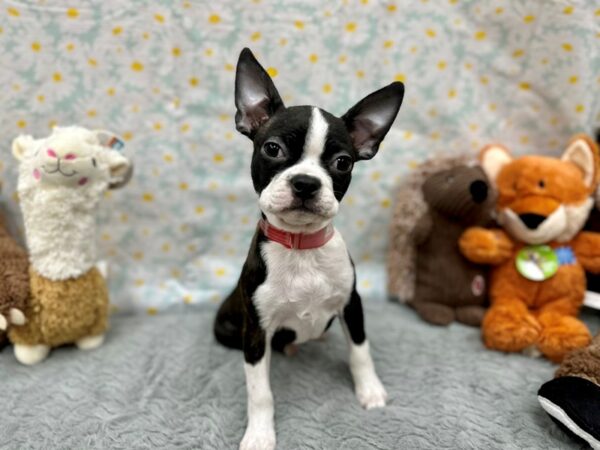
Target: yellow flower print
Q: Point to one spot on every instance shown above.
(137, 66)
(72, 13)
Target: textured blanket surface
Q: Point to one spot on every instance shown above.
(160, 73)
(163, 382)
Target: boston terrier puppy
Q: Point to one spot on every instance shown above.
(298, 275)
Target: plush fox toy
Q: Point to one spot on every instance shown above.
(540, 257)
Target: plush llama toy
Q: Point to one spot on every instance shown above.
(62, 178)
(540, 256)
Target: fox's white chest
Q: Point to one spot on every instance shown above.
(304, 289)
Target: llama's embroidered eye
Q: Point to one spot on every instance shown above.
(541, 184)
(94, 162)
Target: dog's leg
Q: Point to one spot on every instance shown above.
(369, 390)
(260, 431)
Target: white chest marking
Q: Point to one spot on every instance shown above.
(304, 288)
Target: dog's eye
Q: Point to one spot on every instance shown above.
(342, 164)
(541, 184)
(273, 150)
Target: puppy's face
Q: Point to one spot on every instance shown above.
(301, 167)
(303, 156)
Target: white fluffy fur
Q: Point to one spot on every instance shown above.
(59, 205)
(304, 288)
(561, 226)
(277, 197)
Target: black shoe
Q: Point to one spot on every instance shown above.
(574, 403)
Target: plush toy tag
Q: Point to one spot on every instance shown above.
(592, 300)
(478, 285)
(111, 140)
(537, 262)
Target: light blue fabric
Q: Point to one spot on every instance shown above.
(161, 74)
(163, 382)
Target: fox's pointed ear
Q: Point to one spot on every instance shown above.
(493, 158)
(256, 98)
(583, 152)
(370, 119)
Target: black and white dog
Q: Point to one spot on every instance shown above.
(298, 275)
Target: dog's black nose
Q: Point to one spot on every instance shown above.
(532, 221)
(305, 186)
(479, 191)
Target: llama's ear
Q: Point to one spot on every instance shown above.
(121, 169)
(20, 145)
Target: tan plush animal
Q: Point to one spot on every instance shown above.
(61, 181)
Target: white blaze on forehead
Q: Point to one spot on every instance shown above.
(316, 135)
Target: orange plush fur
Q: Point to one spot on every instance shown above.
(527, 314)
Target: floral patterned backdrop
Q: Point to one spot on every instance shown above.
(161, 73)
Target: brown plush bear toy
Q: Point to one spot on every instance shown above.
(14, 282)
(409, 207)
(448, 286)
(539, 259)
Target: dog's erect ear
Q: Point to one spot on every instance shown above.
(493, 158)
(370, 119)
(256, 98)
(583, 152)
(20, 145)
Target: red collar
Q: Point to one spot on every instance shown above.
(297, 241)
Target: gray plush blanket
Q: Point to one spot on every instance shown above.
(163, 382)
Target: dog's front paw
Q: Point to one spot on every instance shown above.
(258, 438)
(371, 393)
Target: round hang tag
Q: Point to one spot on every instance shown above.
(537, 262)
(478, 285)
